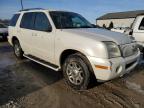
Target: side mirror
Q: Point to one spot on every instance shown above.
(49, 29)
(128, 31)
(131, 33)
(141, 28)
(94, 25)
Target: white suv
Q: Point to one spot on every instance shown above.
(137, 31)
(66, 41)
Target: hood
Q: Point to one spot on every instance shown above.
(3, 30)
(101, 35)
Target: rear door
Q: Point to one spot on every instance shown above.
(43, 37)
(12, 29)
(25, 32)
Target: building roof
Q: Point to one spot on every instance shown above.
(121, 15)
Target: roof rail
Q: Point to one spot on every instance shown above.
(31, 9)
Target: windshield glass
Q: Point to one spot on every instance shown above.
(66, 20)
(2, 26)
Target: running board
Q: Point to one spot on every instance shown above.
(42, 62)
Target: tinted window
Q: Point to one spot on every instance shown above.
(14, 20)
(56, 19)
(28, 20)
(141, 27)
(41, 22)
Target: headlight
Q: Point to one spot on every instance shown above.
(113, 49)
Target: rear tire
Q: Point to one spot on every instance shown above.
(76, 72)
(17, 49)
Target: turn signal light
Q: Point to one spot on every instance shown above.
(102, 67)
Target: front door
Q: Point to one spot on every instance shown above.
(43, 37)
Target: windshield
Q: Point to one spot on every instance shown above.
(66, 20)
(2, 26)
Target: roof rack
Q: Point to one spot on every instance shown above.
(31, 9)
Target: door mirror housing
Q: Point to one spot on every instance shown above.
(141, 27)
(94, 26)
(128, 31)
(49, 29)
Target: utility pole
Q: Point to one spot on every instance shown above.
(22, 4)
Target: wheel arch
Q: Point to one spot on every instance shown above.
(69, 52)
(13, 39)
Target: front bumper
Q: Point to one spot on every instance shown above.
(118, 66)
(3, 35)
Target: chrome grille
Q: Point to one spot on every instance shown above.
(129, 49)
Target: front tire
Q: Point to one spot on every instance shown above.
(17, 49)
(76, 72)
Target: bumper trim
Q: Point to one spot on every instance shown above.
(125, 64)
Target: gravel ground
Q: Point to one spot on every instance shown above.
(25, 84)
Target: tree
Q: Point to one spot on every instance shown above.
(4, 21)
(21, 4)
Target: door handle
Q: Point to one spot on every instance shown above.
(34, 34)
(18, 31)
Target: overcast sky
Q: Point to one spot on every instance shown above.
(91, 9)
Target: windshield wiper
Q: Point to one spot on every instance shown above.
(77, 27)
(86, 27)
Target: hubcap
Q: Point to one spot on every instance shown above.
(17, 50)
(75, 73)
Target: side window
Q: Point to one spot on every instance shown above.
(28, 20)
(141, 27)
(14, 20)
(42, 23)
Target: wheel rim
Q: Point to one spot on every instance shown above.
(75, 73)
(17, 50)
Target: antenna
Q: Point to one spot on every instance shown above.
(22, 4)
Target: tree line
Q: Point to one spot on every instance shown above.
(5, 21)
